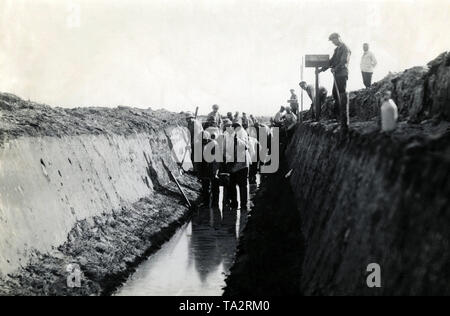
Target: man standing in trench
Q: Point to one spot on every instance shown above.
(339, 68)
(195, 129)
(239, 166)
(215, 116)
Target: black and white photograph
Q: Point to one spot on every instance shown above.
(212, 151)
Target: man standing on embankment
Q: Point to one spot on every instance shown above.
(339, 67)
(368, 64)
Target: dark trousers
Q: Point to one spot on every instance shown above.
(253, 172)
(341, 107)
(195, 165)
(316, 111)
(295, 109)
(238, 179)
(211, 189)
(367, 78)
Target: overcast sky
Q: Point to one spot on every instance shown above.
(177, 54)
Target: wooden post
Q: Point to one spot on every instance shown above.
(301, 89)
(316, 97)
(317, 61)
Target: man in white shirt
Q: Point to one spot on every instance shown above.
(215, 117)
(368, 64)
(279, 117)
(291, 120)
(237, 144)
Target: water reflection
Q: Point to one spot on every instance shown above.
(213, 241)
(196, 259)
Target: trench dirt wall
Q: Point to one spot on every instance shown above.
(368, 198)
(96, 193)
(371, 197)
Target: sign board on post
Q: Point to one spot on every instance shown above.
(317, 61)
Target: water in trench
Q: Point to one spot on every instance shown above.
(196, 260)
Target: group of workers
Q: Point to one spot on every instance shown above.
(233, 138)
(236, 134)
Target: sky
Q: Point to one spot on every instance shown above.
(244, 55)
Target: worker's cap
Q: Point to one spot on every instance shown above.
(334, 36)
(210, 123)
(215, 107)
(189, 115)
(227, 123)
(237, 124)
(292, 90)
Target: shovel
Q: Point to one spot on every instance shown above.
(177, 183)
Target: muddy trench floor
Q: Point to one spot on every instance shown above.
(270, 252)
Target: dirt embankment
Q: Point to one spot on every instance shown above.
(26, 118)
(360, 198)
(88, 187)
(369, 197)
(421, 93)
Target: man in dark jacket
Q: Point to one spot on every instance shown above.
(339, 67)
(215, 116)
(209, 171)
(293, 102)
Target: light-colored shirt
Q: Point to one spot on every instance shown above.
(267, 130)
(242, 155)
(229, 145)
(217, 118)
(279, 117)
(241, 159)
(291, 120)
(293, 99)
(368, 62)
(237, 119)
(311, 91)
(253, 148)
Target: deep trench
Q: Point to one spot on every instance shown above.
(271, 250)
(196, 258)
(228, 251)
